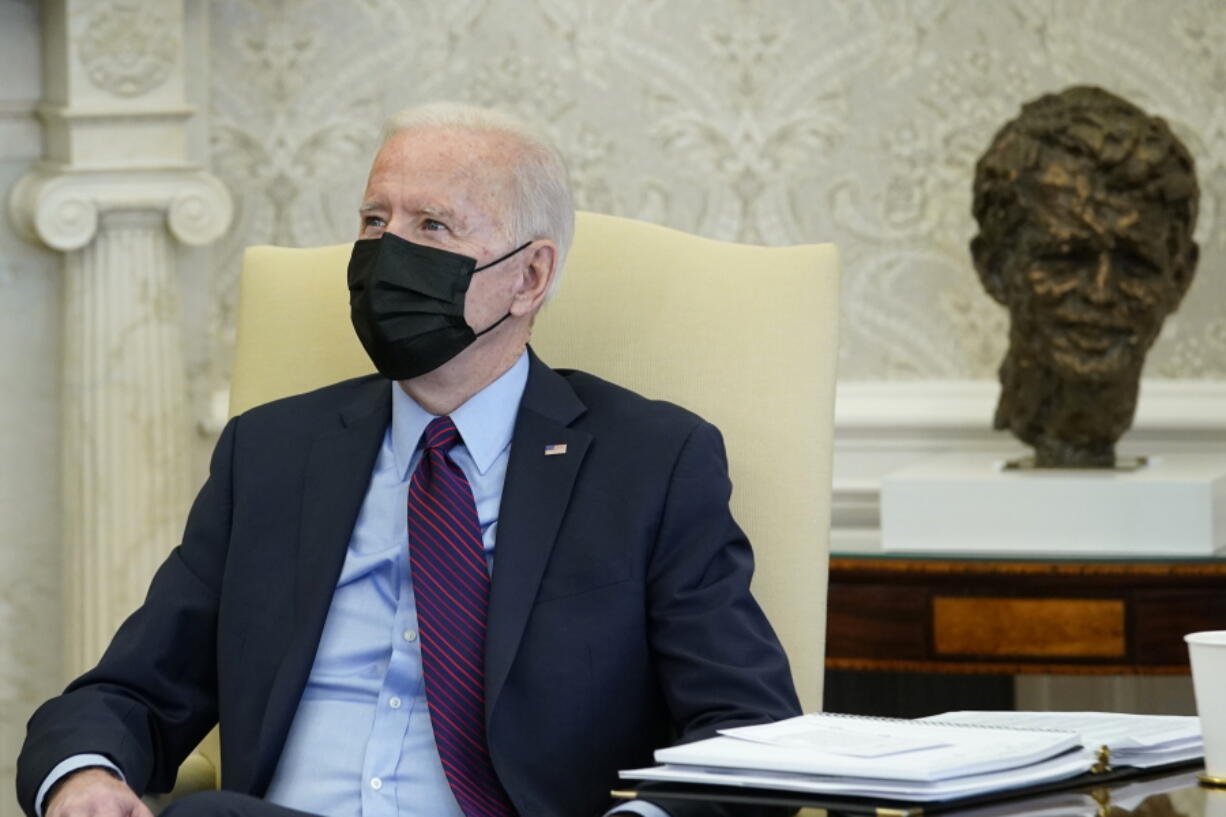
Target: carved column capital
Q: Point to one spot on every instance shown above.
(60, 208)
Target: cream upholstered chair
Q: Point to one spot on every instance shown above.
(745, 336)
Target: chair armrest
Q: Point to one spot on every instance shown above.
(196, 774)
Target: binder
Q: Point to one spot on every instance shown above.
(931, 765)
(1099, 790)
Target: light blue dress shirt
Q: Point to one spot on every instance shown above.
(361, 744)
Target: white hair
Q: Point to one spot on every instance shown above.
(542, 204)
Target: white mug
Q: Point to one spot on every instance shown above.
(1207, 652)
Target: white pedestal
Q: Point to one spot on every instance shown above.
(967, 502)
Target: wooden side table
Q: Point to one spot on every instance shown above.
(940, 613)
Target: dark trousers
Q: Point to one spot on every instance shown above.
(227, 804)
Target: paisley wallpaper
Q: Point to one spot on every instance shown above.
(772, 121)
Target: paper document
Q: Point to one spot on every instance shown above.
(1134, 740)
(945, 757)
(840, 736)
(1066, 765)
(947, 751)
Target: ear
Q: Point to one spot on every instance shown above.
(535, 278)
(987, 264)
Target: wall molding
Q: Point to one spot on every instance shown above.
(18, 108)
(115, 113)
(881, 426)
(965, 407)
(20, 129)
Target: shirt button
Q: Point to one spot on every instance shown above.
(376, 783)
(394, 703)
(410, 635)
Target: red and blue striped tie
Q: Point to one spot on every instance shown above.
(452, 587)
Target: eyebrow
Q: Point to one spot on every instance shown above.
(431, 210)
(437, 210)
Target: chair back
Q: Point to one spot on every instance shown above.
(745, 336)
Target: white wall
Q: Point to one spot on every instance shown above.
(29, 456)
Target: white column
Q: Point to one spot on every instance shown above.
(114, 192)
(125, 423)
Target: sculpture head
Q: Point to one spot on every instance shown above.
(1086, 207)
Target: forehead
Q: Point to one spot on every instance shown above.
(445, 170)
(1066, 204)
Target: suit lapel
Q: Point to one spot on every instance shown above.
(337, 475)
(535, 496)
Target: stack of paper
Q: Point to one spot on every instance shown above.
(906, 760)
(1141, 741)
(956, 755)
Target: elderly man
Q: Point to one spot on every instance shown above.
(565, 592)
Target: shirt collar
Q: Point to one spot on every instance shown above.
(485, 422)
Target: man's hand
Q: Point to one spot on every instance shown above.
(93, 793)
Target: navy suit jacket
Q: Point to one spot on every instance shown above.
(620, 618)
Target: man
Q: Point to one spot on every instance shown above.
(566, 592)
(1086, 209)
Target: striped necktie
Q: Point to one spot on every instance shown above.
(452, 586)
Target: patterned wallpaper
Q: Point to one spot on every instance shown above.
(773, 121)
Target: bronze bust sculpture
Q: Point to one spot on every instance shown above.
(1086, 207)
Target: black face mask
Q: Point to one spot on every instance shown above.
(406, 302)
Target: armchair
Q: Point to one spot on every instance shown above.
(744, 335)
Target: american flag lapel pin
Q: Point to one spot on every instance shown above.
(555, 449)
